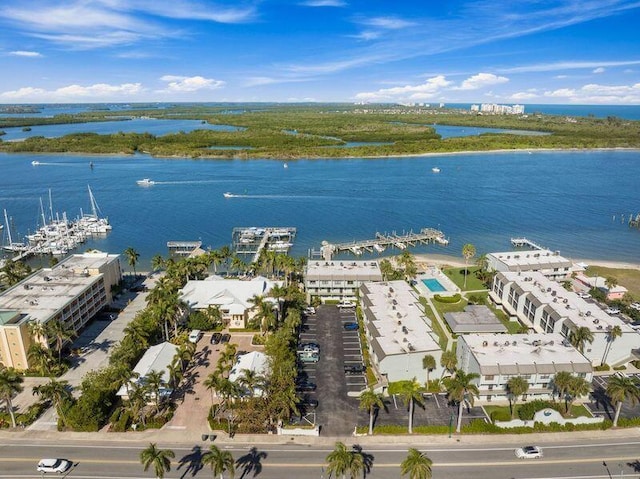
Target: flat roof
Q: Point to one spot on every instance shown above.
(214, 290)
(532, 259)
(566, 304)
(476, 318)
(508, 354)
(396, 321)
(362, 270)
(47, 291)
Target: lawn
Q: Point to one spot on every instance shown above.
(629, 278)
(576, 410)
(457, 276)
(435, 325)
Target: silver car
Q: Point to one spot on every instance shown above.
(53, 465)
(529, 452)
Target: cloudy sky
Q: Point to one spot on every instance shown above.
(426, 51)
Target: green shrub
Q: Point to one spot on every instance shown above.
(258, 340)
(199, 320)
(500, 415)
(527, 410)
(602, 367)
(619, 368)
(447, 299)
(123, 421)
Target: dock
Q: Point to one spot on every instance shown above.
(634, 222)
(382, 241)
(252, 240)
(524, 242)
(182, 249)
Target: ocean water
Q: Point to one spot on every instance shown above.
(567, 201)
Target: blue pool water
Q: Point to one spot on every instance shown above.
(434, 285)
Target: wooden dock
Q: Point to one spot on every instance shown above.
(524, 242)
(634, 222)
(252, 240)
(383, 241)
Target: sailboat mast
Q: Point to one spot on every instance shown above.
(50, 206)
(94, 209)
(6, 221)
(44, 221)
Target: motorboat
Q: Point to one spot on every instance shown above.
(435, 169)
(35, 163)
(228, 195)
(145, 182)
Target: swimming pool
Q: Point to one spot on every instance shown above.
(433, 285)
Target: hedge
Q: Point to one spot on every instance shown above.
(447, 299)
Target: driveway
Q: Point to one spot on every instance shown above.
(600, 405)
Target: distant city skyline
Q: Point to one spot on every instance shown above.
(458, 51)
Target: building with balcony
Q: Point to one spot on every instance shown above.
(547, 262)
(398, 332)
(71, 292)
(337, 280)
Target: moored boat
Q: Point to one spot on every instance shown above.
(435, 169)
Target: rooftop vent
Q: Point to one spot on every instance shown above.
(495, 343)
(588, 313)
(514, 343)
(485, 344)
(548, 290)
(410, 346)
(596, 321)
(553, 293)
(565, 300)
(507, 343)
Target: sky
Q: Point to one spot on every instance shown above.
(362, 51)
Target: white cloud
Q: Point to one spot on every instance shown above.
(598, 94)
(183, 84)
(387, 23)
(561, 77)
(324, 3)
(599, 70)
(425, 91)
(71, 93)
(523, 95)
(23, 53)
(481, 80)
(570, 65)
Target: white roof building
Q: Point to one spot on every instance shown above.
(397, 330)
(547, 262)
(254, 361)
(156, 358)
(336, 280)
(231, 296)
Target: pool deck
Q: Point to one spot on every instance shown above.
(435, 273)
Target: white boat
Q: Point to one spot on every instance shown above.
(285, 166)
(35, 163)
(378, 247)
(228, 195)
(435, 169)
(145, 182)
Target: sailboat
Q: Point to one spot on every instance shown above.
(15, 247)
(94, 223)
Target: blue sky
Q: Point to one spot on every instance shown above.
(424, 51)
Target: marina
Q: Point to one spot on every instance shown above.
(252, 240)
(381, 242)
(182, 249)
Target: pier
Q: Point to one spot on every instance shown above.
(634, 222)
(182, 249)
(524, 242)
(252, 240)
(383, 241)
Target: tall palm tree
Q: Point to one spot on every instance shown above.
(561, 382)
(132, 258)
(580, 337)
(449, 361)
(386, 268)
(219, 461)
(416, 465)
(371, 401)
(58, 393)
(577, 387)
(468, 252)
(40, 358)
(614, 333)
(460, 387)
(216, 258)
(212, 383)
(154, 382)
(160, 459)
(251, 380)
(339, 460)
(516, 387)
(60, 333)
(410, 395)
(619, 389)
(157, 262)
(429, 364)
(10, 384)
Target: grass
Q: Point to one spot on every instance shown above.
(435, 324)
(629, 278)
(457, 276)
(577, 410)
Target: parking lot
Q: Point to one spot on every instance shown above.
(599, 402)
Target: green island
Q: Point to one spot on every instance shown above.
(322, 131)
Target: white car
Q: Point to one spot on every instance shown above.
(584, 295)
(612, 311)
(635, 306)
(346, 304)
(529, 452)
(310, 310)
(194, 336)
(53, 465)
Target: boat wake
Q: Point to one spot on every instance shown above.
(273, 197)
(46, 163)
(188, 182)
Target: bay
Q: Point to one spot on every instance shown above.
(563, 200)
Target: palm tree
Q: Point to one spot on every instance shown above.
(460, 388)
(339, 460)
(410, 394)
(58, 393)
(619, 389)
(386, 268)
(160, 459)
(449, 361)
(468, 252)
(132, 259)
(157, 262)
(612, 335)
(220, 461)
(561, 382)
(577, 387)
(516, 387)
(154, 382)
(40, 358)
(428, 363)
(10, 384)
(416, 465)
(580, 337)
(212, 383)
(610, 282)
(60, 333)
(370, 401)
(251, 380)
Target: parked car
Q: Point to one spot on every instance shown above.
(346, 304)
(635, 306)
(194, 335)
(53, 465)
(225, 338)
(215, 338)
(354, 368)
(310, 346)
(306, 386)
(107, 316)
(529, 452)
(584, 295)
(307, 403)
(612, 311)
(310, 310)
(350, 326)
(309, 356)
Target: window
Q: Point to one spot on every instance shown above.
(489, 377)
(490, 387)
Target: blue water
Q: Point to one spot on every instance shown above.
(446, 131)
(563, 200)
(433, 285)
(629, 112)
(136, 125)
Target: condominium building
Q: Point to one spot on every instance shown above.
(547, 262)
(71, 292)
(398, 332)
(546, 307)
(336, 280)
(537, 358)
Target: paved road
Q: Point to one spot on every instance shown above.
(563, 459)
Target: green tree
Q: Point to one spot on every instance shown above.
(154, 382)
(428, 364)
(10, 384)
(157, 262)
(516, 387)
(14, 271)
(610, 282)
(468, 252)
(339, 460)
(371, 401)
(160, 459)
(40, 358)
(577, 387)
(619, 389)
(60, 333)
(132, 258)
(219, 461)
(561, 382)
(460, 387)
(612, 334)
(410, 394)
(58, 393)
(449, 361)
(580, 337)
(416, 465)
